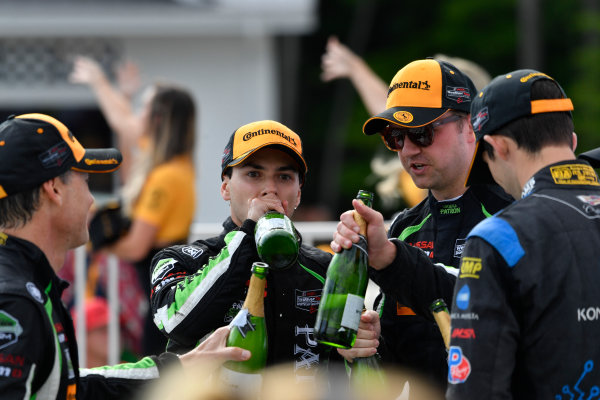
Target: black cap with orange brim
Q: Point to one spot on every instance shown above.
(36, 147)
(506, 98)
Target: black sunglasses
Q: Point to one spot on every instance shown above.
(393, 136)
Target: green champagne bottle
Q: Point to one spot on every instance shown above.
(367, 371)
(344, 291)
(276, 240)
(248, 330)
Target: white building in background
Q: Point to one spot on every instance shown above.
(223, 51)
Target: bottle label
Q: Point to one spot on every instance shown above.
(242, 322)
(352, 312)
(240, 382)
(267, 225)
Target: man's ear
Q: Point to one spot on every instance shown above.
(225, 189)
(52, 189)
(470, 131)
(574, 141)
(500, 144)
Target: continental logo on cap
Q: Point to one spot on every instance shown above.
(480, 119)
(533, 75)
(249, 135)
(403, 116)
(93, 161)
(422, 85)
(574, 174)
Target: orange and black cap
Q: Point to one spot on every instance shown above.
(505, 99)
(36, 147)
(256, 135)
(422, 92)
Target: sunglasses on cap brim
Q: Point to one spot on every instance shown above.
(393, 136)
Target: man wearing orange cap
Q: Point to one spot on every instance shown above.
(200, 287)
(44, 205)
(426, 121)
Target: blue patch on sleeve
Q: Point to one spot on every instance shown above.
(501, 236)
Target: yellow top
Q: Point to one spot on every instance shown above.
(168, 199)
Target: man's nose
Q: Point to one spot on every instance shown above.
(410, 148)
(270, 187)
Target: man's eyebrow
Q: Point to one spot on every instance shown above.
(252, 165)
(290, 167)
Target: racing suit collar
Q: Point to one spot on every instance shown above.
(35, 266)
(568, 172)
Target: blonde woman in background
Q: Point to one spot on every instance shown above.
(158, 193)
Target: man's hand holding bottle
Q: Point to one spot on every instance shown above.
(367, 337)
(381, 251)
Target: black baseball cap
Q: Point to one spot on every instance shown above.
(504, 99)
(422, 92)
(252, 137)
(36, 147)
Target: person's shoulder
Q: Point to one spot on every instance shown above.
(314, 257)
(176, 168)
(491, 191)
(492, 196)
(14, 283)
(502, 236)
(22, 299)
(408, 216)
(315, 253)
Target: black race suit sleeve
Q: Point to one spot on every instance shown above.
(414, 280)
(485, 328)
(194, 286)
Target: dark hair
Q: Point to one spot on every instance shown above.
(172, 119)
(535, 131)
(17, 209)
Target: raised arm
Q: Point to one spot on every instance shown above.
(340, 62)
(114, 104)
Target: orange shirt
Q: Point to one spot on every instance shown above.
(168, 199)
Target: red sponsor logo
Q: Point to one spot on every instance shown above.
(463, 333)
(459, 367)
(12, 360)
(423, 244)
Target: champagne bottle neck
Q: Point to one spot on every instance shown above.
(255, 302)
(362, 224)
(367, 199)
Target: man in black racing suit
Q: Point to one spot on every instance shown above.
(38, 348)
(414, 263)
(199, 287)
(525, 317)
(44, 205)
